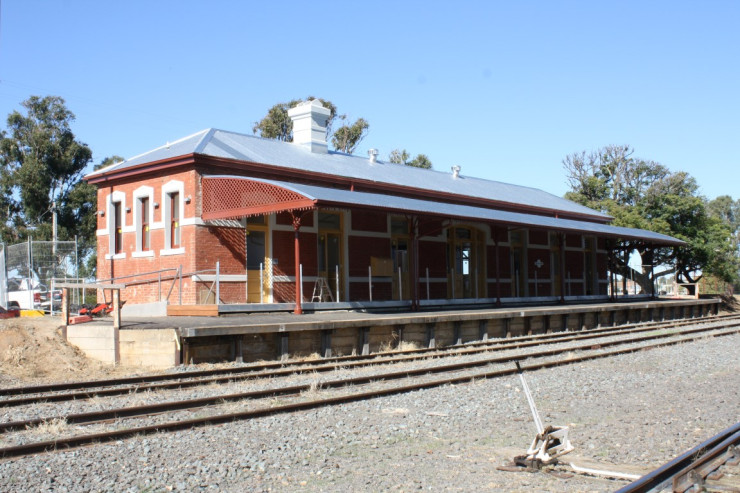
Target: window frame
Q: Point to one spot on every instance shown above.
(116, 201)
(174, 189)
(141, 194)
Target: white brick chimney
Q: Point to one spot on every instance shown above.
(309, 125)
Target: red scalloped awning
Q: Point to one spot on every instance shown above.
(226, 197)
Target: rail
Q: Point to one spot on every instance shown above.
(686, 469)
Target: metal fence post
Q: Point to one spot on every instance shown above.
(77, 270)
(337, 282)
(30, 275)
(370, 280)
(179, 274)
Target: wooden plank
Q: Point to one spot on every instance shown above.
(79, 319)
(192, 310)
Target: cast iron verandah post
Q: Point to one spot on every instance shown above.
(298, 280)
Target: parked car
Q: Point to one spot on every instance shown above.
(32, 295)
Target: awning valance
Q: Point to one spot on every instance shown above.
(231, 196)
(227, 197)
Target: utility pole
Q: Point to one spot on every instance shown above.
(54, 227)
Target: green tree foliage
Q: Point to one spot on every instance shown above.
(728, 212)
(348, 137)
(401, 156)
(276, 124)
(644, 194)
(80, 209)
(41, 164)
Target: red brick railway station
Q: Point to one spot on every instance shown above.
(294, 226)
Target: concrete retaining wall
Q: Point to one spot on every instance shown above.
(144, 348)
(151, 348)
(96, 341)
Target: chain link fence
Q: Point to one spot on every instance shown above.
(33, 267)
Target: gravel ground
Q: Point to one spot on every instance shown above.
(627, 413)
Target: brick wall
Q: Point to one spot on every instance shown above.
(130, 264)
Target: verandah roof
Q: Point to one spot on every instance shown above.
(234, 196)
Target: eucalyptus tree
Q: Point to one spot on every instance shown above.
(644, 194)
(401, 156)
(41, 165)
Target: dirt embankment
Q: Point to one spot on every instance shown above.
(33, 350)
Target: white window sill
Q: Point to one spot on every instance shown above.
(172, 251)
(148, 253)
(117, 256)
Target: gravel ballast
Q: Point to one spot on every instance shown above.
(627, 413)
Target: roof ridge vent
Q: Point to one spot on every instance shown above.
(373, 155)
(456, 172)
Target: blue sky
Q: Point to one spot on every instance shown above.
(504, 89)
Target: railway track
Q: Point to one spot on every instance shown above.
(291, 398)
(172, 381)
(699, 469)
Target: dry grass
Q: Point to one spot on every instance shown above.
(314, 388)
(570, 355)
(54, 427)
(14, 356)
(394, 346)
(408, 346)
(97, 402)
(232, 407)
(310, 357)
(140, 398)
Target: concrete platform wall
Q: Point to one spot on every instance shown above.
(149, 348)
(160, 348)
(144, 348)
(97, 342)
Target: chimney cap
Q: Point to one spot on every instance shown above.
(373, 155)
(456, 171)
(311, 105)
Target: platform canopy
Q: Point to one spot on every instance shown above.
(227, 197)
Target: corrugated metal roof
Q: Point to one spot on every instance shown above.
(332, 196)
(240, 147)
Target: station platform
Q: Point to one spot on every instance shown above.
(170, 341)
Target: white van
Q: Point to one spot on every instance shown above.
(28, 295)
